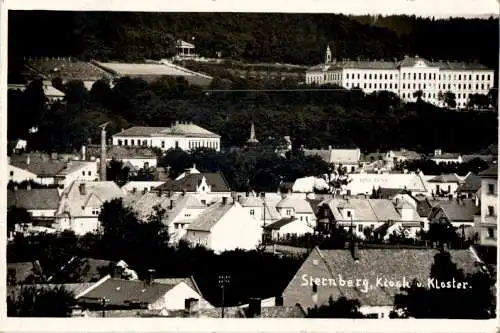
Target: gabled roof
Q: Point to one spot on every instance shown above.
(445, 178)
(391, 264)
(73, 200)
(175, 281)
(126, 293)
(184, 44)
(413, 61)
(73, 166)
(217, 181)
(323, 153)
(141, 131)
(41, 166)
(345, 156)
(370, 210)
(315, 204)
(36, 198)
(210, 217)
(388, 193)
(280, 223)
(300, 205)
(362, 183)
(462, 211)
(459, 65)
(472, 184)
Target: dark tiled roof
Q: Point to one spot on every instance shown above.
(459, 65)
(209, 218)
(389, 193)
(141, 131)
(124, 292)
(41, 168)
(392, 264)
(315, 204)
(424, 207)
(189, 183)
(472, 184)
(412, 61)
(459, 211)
(280, 223)
(68, 69)
(36, 198)
(490, 173)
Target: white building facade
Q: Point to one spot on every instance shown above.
(406, 77)
(183, 135)
(486, 223)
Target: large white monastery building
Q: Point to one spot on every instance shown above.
(184, 135)
(405, 77)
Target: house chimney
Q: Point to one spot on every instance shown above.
(15, 188)
(191, 305)
(103, 153)
(28, 159)
(171, 206)
(83, 189)
(151, 276)
(224, 200)
(239, 198)
(28, 186)
(254, 307)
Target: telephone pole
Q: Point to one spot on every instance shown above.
(224, 279)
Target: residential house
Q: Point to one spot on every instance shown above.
(299, 209)
(183, 135)
(180, 211)
(41, 204)
(201, 302)
(399, 156)
(443, 185)
(136, 157)
(225, 226)
(53, 94)
(440, 157)
(459, 213)
(326, 274)
(287, 227)
(206, 186)
(39, 168)
(485, 223)
(77, 170)
(134, 294)
(363, 183)
(470, 188)
(382, 216)
(347, 158)
(137, 186)
(81, 204)
(260, 208)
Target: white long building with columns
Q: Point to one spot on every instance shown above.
(184, 135)
(406, 77)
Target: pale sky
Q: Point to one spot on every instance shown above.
(436, 8)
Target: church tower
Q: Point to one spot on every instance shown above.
(253, 139)
(328, 55)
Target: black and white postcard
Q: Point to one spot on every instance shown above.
(251, 162)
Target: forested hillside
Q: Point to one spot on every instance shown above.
(289, 38)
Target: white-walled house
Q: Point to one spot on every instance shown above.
(81, 203)
(183, 135)
(77, 170)
(364, 183)
(225, 226)
(287, 227)
(443, 185)
(261, 209)
(298, 208)
(440, 157)
(486, 223)
(39, 168)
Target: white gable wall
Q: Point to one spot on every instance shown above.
(174, 299)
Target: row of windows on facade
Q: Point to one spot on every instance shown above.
(432, 95)
(416, 76)
(288, 212)
(192, 144)
(89, 173)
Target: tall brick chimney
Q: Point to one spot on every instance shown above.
(103, 152)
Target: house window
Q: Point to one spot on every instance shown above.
(83, 173)
(252, 212)
(348, 213)
(146, 165)
(360, 227)
(491, 211)
(120, 142)
(12, 173)
(163, 144)
(288, 212)
(126, 142)
(307, 218)
(144, 142)
(89, 173)
(491, 188)
(301, 218)
(132, 142)
(491, 233)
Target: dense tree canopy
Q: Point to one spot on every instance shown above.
(291, 38)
